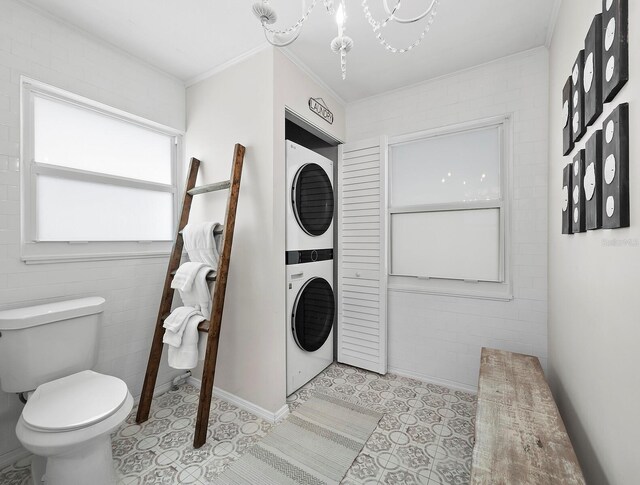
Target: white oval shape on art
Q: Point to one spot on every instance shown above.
(590, 181)
(610, 34)
(611, 66)
(565, 198)
(610, 169)
(588, 73)
(609, 132)
(611, 206)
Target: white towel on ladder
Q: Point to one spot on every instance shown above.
(199, 295)
(201, 241)
(185, 276)
(176, 323)
(186, 355)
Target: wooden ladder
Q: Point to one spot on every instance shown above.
(211, 326)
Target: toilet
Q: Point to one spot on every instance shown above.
(47, 353)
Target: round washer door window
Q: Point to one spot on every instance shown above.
(312, 199)
(313, 314)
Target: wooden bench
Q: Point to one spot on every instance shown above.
(520, 436)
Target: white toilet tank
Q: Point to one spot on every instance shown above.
(45, 342)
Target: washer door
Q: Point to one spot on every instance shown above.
(313, 314)
(312, 199)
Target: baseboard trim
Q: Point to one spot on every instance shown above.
(434, 380)
(161, 389)
(12, 456)
(269, 416)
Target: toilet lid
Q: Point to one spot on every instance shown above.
(74, 402)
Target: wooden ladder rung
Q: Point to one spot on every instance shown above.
(203, 189)
(210, 277)
(219, 230)
(202, 326)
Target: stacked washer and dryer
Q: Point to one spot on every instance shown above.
(309, 257)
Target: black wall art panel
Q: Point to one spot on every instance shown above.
(577, 96)
(615, 47)
(578, 219)
(592, 74)
(593, 181)
(567, 226)
(567, 136)
(615, 169)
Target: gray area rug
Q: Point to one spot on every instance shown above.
(315, 445)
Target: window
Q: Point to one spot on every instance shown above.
(448, 212)
(97, 183)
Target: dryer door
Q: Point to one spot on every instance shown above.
(312, 199)
(313, 314)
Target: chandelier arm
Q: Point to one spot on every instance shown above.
(295, 26)
(373, 22)
(328, 4)
(409, 20)
(283, 44)
(417, 42)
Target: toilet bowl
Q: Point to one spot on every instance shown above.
(68, 419)
(68, 422)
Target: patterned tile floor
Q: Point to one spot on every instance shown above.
(425, 436)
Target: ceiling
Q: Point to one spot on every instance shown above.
(189, 37)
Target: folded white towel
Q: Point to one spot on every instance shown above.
(186, 355)
(199, 295)
(186, 274)
(176, 323)
(202, 241)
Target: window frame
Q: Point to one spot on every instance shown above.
(500, 289)
(36, 251)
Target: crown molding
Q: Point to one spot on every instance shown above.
(517, 55)
(225, 65)
(98, 40)
(307, 70)
(553, 19)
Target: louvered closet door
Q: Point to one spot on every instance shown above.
(362, 271)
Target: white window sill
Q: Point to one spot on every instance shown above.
(69, 258)
(451, 288)
(60, 252)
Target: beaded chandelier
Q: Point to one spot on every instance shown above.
(342, 43)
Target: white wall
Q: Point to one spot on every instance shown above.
(594, 323)
(44, 49)
(236, 106)
(246, 104)
(439, 337)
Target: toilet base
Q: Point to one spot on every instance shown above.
(89, 465)
(38, 469)
(77, 457)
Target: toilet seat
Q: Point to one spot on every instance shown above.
(74, 402)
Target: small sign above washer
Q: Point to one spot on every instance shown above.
(319, 107)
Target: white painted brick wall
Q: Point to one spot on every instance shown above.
(35, 45)
(438, 337)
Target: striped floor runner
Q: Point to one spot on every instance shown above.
(315, 445)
